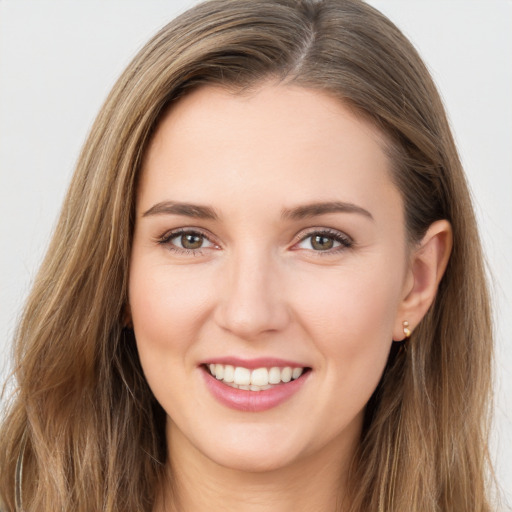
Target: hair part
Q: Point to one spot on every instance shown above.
(83, 420)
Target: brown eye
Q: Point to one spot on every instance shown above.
(191, 241)
(322, 242)
(186, 241)
(327, 241)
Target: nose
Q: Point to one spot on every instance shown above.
(252, 299)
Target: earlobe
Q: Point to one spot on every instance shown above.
(427, 266)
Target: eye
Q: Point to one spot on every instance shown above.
(186, 240)
(189, 240)
(324, 241)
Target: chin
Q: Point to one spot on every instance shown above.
(254, 448)
(253, 459)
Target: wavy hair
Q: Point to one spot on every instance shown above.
(83, 431)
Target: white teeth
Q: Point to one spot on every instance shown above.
(229, 373)
(242, 376)
(259, 377)
(255, 380)
(219, 371)
(286, 374)
(296, 373)
(252, 387)
(274, 375)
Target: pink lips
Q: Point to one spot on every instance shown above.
(253, 401)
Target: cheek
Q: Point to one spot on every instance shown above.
(166, 305)
(356, 300)
(167, 314)
(351, 321)
(350, 315)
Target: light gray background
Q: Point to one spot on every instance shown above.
(58, 60)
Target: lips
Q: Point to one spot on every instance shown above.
(254, 386)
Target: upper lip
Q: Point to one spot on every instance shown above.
(251, 364)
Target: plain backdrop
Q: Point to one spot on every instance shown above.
(58, 60)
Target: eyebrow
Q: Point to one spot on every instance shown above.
(314, 209)
(297, 213)
(186, 209)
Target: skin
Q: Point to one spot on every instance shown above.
(258, 288)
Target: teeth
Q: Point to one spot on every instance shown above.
(229, 373)
(274, 375)
(219, 371)
(252, 387)
(255, 380)
(242, 376)
(259, 377)
(286, 374)
(296, 373)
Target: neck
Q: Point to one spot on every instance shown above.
(196, 483)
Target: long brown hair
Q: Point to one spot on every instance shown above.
(83, 431)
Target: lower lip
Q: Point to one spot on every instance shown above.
(253, 401)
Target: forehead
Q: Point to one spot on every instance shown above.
(278, 141)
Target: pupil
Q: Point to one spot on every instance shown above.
(322, 242)
(191, 241)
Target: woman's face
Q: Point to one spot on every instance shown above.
(269, 241)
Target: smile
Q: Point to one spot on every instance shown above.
(259, 379)
(254, 389)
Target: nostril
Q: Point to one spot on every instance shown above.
(250, 320)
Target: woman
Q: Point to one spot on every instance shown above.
(270, 198)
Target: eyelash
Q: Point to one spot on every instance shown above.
(165, 240)
(345, 241)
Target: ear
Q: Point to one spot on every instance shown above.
(427, 264)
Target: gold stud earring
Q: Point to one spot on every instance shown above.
(407, 331)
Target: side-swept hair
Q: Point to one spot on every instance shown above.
(84, 433)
